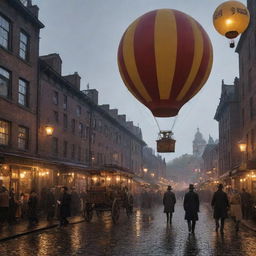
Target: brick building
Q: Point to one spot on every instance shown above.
(19, 49)
(229, 129)
(154, 165)
(52, 133)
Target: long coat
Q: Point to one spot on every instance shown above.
(65, 201)
(220, 204)
(169, 201)
(191, 206)
(235, 206)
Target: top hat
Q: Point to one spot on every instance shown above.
(169, 187)
(191, 186)
(220, 186)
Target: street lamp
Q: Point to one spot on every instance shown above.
(242, 146)
(145, 170)
(49, 130)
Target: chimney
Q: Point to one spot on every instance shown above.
(114, 112)
(93, 94)
(122, 118)
(54, 61)
(105, 107)
(74, 80)
(33, 9)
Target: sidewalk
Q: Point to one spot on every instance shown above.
(250, 224)
(21, 228)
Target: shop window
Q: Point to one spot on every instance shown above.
(5, 82)
(23, 93)
(4, 132)
(23, 136)
(4, 32)
(24, 46)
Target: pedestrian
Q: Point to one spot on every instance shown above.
(50, 204)
(220, 205)
(64, 206)
(235, 208)
(75, 202)
(12, 207)
(4, 205)
(191, 207)
(169, 201)
(246, 204)
(32, 208)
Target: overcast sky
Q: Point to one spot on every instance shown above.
(86, 34)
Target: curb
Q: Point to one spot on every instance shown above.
(36, 230)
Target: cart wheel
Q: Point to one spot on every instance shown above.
(88, 212)
(115, 211)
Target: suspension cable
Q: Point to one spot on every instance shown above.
(157, 124)
(176, 117)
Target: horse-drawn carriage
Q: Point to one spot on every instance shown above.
(102, 199)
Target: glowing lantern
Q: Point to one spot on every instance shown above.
(231, 18)
(165, 58)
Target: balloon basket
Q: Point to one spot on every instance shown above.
(165, 143)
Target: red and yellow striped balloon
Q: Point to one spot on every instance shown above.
(165, 58)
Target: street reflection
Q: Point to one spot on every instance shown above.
(191, 247)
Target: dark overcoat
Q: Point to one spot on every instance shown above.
(220, 204)
(32, 206)
(65, 201)
(191, 206)
(169, 201)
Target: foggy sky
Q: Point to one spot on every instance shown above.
(86, 34)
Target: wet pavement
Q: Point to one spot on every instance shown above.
(146, 233)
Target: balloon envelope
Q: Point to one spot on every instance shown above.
(164, 58)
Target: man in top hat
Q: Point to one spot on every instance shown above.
(169, 201)
(191, 207)
(220, 205)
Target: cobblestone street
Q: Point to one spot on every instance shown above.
(146, 233)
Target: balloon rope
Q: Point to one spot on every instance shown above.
(174, 122)
(157, 125)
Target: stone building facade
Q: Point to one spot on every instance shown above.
(199, 144)
(88, 138)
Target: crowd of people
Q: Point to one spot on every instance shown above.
(234, 204)
(54, 203)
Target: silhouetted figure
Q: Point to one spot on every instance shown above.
(169, 201)
(12, 207)
(32, 208)
(220, 205)
(75, 202)
(64, 203)
(246, 201)
(191, 207)
(50, 203)
(4, 205)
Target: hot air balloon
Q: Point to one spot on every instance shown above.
(230, 19)
(165, 58)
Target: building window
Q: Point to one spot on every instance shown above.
(78, 111)
(23, 138)
(23, 93)
(56, 116)
(4, 33)
(55, 98)
(4, 132)
(73, 125)
(55, 145)
(4, 82)
(65, 121)
(24, 46)
(73, 151)
(65, 148)
(65, 102)
(81, 130)
(79, 154)
(243, 117)
(251, 108)
(252, 139)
